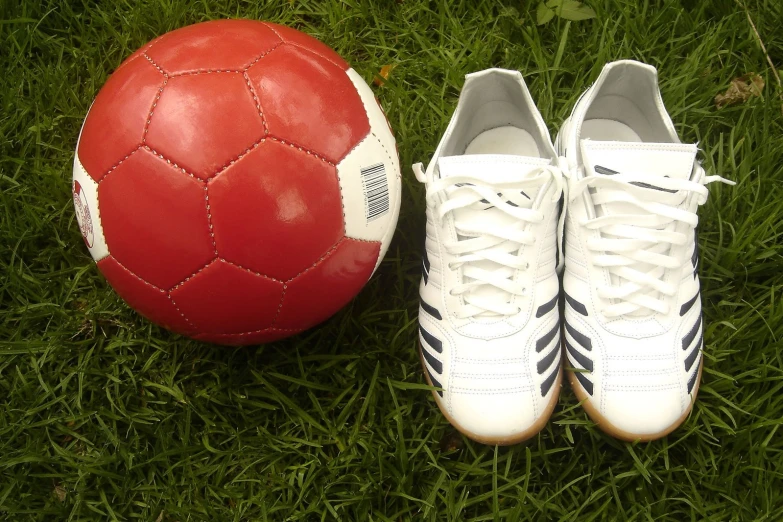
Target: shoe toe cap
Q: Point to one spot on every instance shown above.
(643, 413)
(496, 418)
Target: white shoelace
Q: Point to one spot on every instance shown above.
(498, 244)
(630, 240)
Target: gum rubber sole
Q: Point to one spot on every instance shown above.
(537, 426)
(610, 429)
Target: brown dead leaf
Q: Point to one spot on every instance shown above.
(160, 517)
(383, 75)
(741, 90)
(451, 441)
(60, 493)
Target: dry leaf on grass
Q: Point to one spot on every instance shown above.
(383, 75)
(741, 90)
(60, 493)
(451, 441)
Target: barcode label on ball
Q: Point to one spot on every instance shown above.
(376, 191)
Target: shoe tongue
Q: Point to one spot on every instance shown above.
(661, 159)
(607, 158)
(498, 167)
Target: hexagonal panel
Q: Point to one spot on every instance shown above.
(276, 211)
(306, 41)
(320, 292)
(310, 101)
(151, 302)
(203, 121)
(220, 44)
(115, 123)
(224, 298)
(155, 219)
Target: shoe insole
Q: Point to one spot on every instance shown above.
(608, 130)
(504, 140)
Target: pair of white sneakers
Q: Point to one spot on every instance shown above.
(614, 202)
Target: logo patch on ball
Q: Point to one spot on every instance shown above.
(83, 214)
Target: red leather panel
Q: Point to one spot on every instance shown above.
(204, 121)
(155, 219)
(258, 337)
(115, 123)
(309, 101)
(276, 211)
(306, 41)
(149, 301)
(224, 298)
(220, 44)
(331, 284)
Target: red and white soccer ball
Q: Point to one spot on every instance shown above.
(236, 181)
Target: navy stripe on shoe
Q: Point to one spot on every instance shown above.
(547, 307)
(546, 362)
(603, 170)
(431, 310)
(435, 383)
(648, 186)
(431, 340)
(432, 361)
(547, 338)
(692, 380)
(583, 361)
(585, 382)
(579, 337)
(425, 267)
(576, 305)
(547, 384)
(690, 336)
(687, 306)
(691, 358)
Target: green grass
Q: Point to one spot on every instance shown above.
(107, 417)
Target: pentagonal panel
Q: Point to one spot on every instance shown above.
(221, 44)
(116, 121)
(203, 121)
(321, 291)
(309, 101)
(155, 219)
(305, 41)
(243, 339)
(277, 210)
(224, 298)
(153, 303)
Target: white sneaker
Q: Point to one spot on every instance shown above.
(489, 322)
(633, 321)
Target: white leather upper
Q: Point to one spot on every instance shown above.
(488, 363)
(639, 378)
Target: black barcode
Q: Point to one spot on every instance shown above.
(376, 191)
